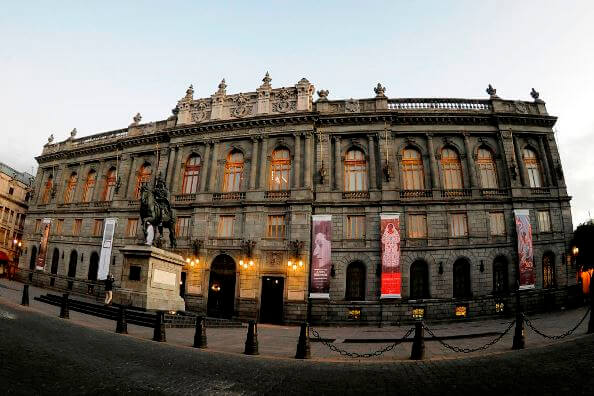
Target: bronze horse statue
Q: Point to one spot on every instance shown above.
(158, 214)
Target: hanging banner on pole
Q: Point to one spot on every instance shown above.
(106, 245)
(321, 257)
(45, 231)
(525, 251)
(391, 273)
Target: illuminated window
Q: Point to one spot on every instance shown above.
(452, 169)
(548, 270)
(47, 191)
(233, 172)
(461, 278)
(89, 188)
(225, 226)
(276, 226)
(487, 170)
(355, 281)
(280, 170)
(355, 228)
(417, 226)
(131, 228)
(413, 177)
(59, 227)
(497, 223)
(37, 225)
(419, 280)
(355, 171)
(97, 227)
(191, 174)
(110, 183)
(458, 225)
(70, 186)
(182, 227)
(76, 227)
(142, 178)
(544, 221)
(532, 167)
(461, 311)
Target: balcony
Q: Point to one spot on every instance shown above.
(540, 190)
(440, 104)
(415, 194)
(279, 194)
(355, 195)
(456, 193)
(228, 196)
(185, 198)
(493, 192)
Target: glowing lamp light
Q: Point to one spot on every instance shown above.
(188, 260)
(192, 263)
(294, 267)
(289, 263)
(575, 250)
(301, 263)
(251, 263)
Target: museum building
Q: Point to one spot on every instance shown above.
(247, 171)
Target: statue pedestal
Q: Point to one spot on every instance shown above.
(150, 279)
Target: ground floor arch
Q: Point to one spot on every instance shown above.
(221, 287)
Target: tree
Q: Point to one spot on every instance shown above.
(583, 240)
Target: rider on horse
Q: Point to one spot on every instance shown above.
(161, 195)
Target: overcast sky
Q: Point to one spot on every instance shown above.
(93, 65)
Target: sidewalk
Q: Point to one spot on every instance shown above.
(281, 341)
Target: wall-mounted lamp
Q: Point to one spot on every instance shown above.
(295, 264)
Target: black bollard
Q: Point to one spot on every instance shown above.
(200, 334)
(303, 348)
(591, 322)
(159, 334)
(519, 340)
(418, 346)
(122, 324)
(64, 313)
(251, 342)
(25, 298)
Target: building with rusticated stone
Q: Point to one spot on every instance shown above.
(247, 171)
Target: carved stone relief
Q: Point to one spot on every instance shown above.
(243, 107)
(351, 106)
(283, 103)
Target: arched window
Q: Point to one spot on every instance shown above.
(70, 186)
(487, 169)
(89, 188)
(500, 283)
(110, 183)
(413, 177)
(355, 281)
(55, 261)
(532, 167)
(233, 172)
(93, 266)
(143, 177)
(280, 170)
(72, 264)
(452, 169)
(355, 173)
(461, 279)
(548, 270)
(33, 257)
(47, 191)
(419, 280)
(191, 174)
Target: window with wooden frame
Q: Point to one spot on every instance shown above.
(355, 171)
(276, 226)
(59, 226)
(544, 221)
(355, 282)
(37, 225)
(110, 183)
(191, 175)
(76, 227)
(97, 227)
(497, 223)
(487, 168)
(131, 228)
(233, 172)
(417, 226)
(458, 225)
(182, 227)
(452, 169)
(143, 177)
(413, 174)
(70, 187)
(225, 226)
(47, 191)
(89, 187)
(280, 170)
(532, 167)
(355, 227)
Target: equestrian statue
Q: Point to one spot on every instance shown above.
(156, 212)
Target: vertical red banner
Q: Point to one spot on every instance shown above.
(45, 230)
(525, 251)
(321, 256)
(391, 273)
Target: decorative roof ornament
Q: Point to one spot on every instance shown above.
(137, 118)
(380, 91)
(190, 92)
(73, 133)
(323, 94)
(492, 92)
(266, 81)
(175, 110)
(222, 87)
(50, 139)
(535, 95)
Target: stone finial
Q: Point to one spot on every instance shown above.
(266, 80)
(190, 92)
(137, 118)
(380, 91)
(323, 94)
(492, 92)
(50, 139)
(73, 133)
(222, 87)
(535, 95)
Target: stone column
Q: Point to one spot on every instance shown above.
(337, 164)
(100, 181)
(205, 167)
(254, 164)
(372, 163)
(432, 163)
(171, 159)
(263, 161)
(307, 180)
(520, 162)
(129, 182)
(545, 161)
(297, 162)
(176, 172)
(213, 167)
(470, 162)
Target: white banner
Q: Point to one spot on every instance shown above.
(105, 258)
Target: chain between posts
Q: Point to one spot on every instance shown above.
(342, 352)
(556, 337)
(469, 350)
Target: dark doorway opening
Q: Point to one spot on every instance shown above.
(221, 287)
(271, 303)
(182, 285)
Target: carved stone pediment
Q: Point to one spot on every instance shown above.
(284, 102)
(200, 111)
(243, 106)
(351, 106)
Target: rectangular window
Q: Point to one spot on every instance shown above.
(131, 228)
(37, 225)
(417, 226)
(97, 227)
(6, 214)
(76, 227)
(225, 228)
(458, 225)
(59, 226)
(544, 221)
(497, 222)
(276, 226)
(2, 235)
(182, 227)
(355, 228)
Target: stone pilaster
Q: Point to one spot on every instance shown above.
(372, 163)
(520, 162)
(213, 167)
(176, 172)
(205, 167)
(470, 161)
(297, 162)
(338, 182)
(307, 180)
(263, 161)
(432, 163)
(254, 164)
(545, 162)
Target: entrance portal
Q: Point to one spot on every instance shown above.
(221, 287)
(271, 303)
(182, 285)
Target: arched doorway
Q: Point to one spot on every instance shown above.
(461, 277)
(72, 268)
(93, 266)
(221, 287)
(33, 258)
(54, 267)
(419, 280)
(500, 283)
(355, 282)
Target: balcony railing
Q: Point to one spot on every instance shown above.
(102, 204)
(279, 194)
(228, 196)
(540, 190)
(355, 195)
(133, 203)
(185, 198)
(415, 194)
(492, 192)
(438, 104)
(456, 193)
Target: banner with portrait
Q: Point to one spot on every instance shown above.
(525, 251)
(105, 257)
(391, 273)
(321, 256)
(46, 224)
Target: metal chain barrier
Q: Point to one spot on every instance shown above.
(469, 350)
(556, 337)
(379, 352)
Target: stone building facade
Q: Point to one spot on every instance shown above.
(247, 171)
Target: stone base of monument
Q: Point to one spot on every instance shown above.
(150, 279)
